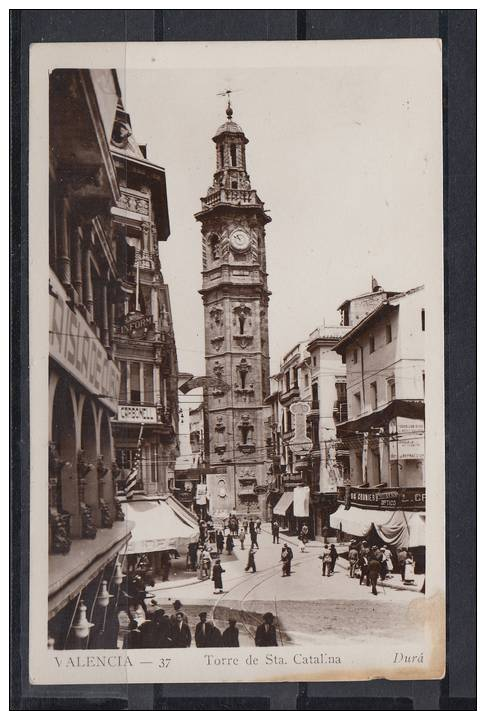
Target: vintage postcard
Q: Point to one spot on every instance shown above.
(236, 362)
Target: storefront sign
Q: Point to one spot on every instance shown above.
(74, 345)
(409, 499)
(136, 413)
(407, 440)
(136, 324)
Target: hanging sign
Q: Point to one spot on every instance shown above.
(393, 499)
(300, 442)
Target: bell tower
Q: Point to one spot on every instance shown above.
(235, 298)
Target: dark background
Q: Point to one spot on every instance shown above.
(457, 29)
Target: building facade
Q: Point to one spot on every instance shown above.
(147, 414)
(235, 298)
(384, 432)
(86, 263)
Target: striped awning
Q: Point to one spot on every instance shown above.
(283, 504)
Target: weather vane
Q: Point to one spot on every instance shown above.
(227, 93)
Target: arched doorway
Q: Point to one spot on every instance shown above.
(105, 478)
(88, 461)
(65, 496)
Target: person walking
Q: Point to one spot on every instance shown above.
(242, 536)
(254, 537)
(204, 631)
(231, 635)
(266, 633)
(229, 544)
(363, 566)
(180, 632)
(304, 537)
(165, 565)
(286, 558)
(402, 557)
(251, 560)
(245, 525)
(258, 525)
(353, 561)
(205, 563)
(219, 542)
(388, 562)
(334, 557)
(275, 531)
(374, 568)
(326, 561)
(218, 577)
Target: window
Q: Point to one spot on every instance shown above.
(355, 356)
(221, 156)
(214, 245)
(345, 316)
(315, 396)
(314, 360)
(295, 372)
(306, 380)
(422, 316)
(388, 333)
(148, 382)
(134, 382)
(372, 344)
(357, 404)
(373, 396)
(123, 381)
(341, 391)
(233, 155)
(391, 389)
(343, 358)
(287, 380)
(234, 184)
(289, 420)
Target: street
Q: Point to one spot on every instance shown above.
(309, 608)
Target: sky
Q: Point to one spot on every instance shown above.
(347, 158)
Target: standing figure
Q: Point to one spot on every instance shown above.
(241, 536)
(402, 557)
(334, 556)
(205, 563)
(219, 542)
(192, 554)
(204, 631)
(162, 629)
(326, 561)
(231, 635)
(165, 565)
(177, 605)
(363, 564)
(409, 569)
(253, 535)
(286, 558)
(275, 531)
(304, 537)
(266, 634)
(229, 544)
(180, 632)
(258, 525)
(353, 561)
(218, 577)
(251, 560)
(388, 562)
(245, 525)
(374, 567)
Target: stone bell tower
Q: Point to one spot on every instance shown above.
(235, 297)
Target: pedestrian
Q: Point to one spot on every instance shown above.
(258, 525)
(204, 631)
(363, 565)
(165, 565)
(147, 635)
(383, 564)
(180, 632)
(251, 560)
(202, 531)
(402, 557)
(229, 544)
(409, 570)
(286, 558)
(177, 605)
(253, 535)
(353, 561)
(132, 639)
(304, 537)
(205, 563)
(245, 525)
(241, 536)
(334, 557)
(388, 561)
(326, 561)
(162, 638)
(374, 567)
(266, 634)
(219, 542)
(218, 577)
(275, 531)
(216, 638)
(192, 550)
(231, 635)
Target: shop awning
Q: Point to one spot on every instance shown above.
(280, 508)
(161, 524)
(403, 529)
(358, 522)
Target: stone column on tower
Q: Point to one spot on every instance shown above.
(235, 297)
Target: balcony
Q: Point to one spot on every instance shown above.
(225, 196)
(289, 395)
(340, 411)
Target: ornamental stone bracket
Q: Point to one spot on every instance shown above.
(243, 340)
(217, 342)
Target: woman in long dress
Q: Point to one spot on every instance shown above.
(409, 569)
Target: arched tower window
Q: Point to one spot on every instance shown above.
(233, 155)
(215, 246)
(221, 156)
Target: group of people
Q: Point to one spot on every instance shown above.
(373, 563)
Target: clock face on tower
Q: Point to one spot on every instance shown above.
(240, 240)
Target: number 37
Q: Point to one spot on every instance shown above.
(164, 662)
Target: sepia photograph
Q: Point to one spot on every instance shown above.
(237, 434)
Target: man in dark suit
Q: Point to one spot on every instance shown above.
(231, 634)
(180, 632)
(266, 634)
(275, 531)
(204, 631)
(374, 567)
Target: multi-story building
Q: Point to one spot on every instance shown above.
(235, 298)
(384, 429)
(146, 424)
(86, 285)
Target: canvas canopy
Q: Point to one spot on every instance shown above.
(357, 522)
(282, 505)
(159, 525)
(395, 528)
